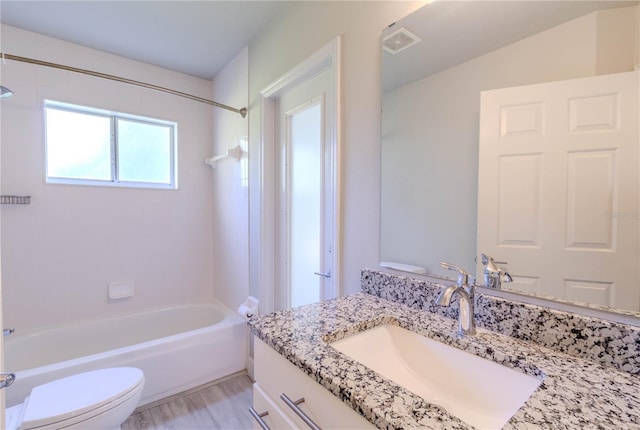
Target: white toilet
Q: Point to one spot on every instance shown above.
(100, 399)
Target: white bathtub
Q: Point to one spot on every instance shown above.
(177, 348)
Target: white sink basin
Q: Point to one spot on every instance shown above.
(480, 392)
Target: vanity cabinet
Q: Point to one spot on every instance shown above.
(276, 378)
(268, 411)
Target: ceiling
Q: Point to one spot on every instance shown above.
(198, 38)
(453, 32)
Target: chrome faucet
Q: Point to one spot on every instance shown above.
(493, 275)
(466, 318)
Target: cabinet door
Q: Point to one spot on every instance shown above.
(277, 376)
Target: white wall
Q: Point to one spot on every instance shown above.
(231, 186)
(303, 28)
(430, 129)
(60, 253)
(615, 28)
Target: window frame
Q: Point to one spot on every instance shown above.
(113, 117)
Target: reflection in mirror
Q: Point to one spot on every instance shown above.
(431, 133)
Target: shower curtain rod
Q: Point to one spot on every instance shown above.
(242, 112)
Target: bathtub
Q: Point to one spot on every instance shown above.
(177, 348)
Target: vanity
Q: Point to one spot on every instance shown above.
(294, 356)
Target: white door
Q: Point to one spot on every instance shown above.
(305, 198)
(558, 188)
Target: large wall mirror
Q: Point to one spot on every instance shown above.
(436, 63)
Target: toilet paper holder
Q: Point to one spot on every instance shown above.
(249, 308)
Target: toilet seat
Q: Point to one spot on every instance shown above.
(80, 397)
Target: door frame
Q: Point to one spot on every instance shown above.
(326, 58)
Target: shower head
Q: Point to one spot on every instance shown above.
(5, 92)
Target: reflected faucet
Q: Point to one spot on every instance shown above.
(493, 275)
(466, 291)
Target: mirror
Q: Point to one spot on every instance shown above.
(431, 107)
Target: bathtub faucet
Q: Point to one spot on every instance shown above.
(8, 331)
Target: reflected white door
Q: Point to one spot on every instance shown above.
(305, 194)
(558, 189)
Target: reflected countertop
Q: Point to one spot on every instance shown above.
(574, 394)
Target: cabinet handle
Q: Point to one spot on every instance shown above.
(258, 417)
(294, 405)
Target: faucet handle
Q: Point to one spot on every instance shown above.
(485, 259)
(463, 277)
(490, 266)
(506, 277)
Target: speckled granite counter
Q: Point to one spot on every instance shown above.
(598, 340)
(575, 393)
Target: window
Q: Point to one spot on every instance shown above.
(94, 147)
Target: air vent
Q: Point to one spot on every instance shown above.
(399, 41)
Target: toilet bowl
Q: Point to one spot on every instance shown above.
(100, 399)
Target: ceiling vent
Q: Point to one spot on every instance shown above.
(399, 40)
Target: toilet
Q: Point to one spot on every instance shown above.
(100, 399)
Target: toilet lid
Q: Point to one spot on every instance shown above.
(78, 394)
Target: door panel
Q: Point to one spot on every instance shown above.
(590, 183)
(519, 200)
(558, 188)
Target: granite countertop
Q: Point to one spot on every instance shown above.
(574, 394)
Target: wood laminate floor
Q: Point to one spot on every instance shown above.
(220, 406)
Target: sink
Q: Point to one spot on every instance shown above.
(480, 392)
